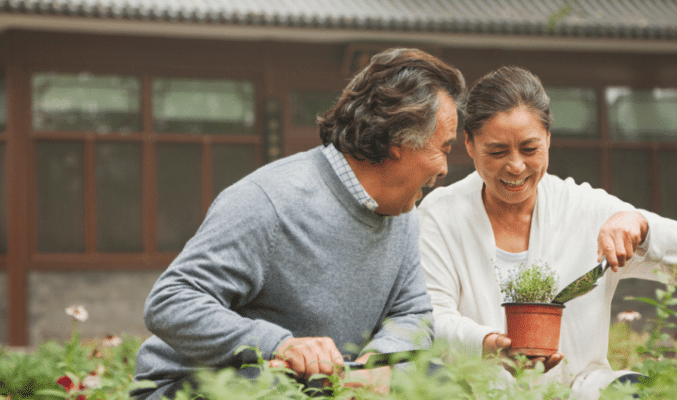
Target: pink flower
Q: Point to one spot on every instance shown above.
(111, 341)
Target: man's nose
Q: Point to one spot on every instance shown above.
(444, 168)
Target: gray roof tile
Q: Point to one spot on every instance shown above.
(596, 18)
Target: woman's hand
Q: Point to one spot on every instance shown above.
(497, 344)
(620, 236)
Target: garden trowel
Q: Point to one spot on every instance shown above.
(582, 285)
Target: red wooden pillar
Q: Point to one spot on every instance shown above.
(18, 173)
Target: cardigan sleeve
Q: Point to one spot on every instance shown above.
(191, 306)
(444, 286)
(659, 252)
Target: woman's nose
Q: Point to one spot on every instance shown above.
(516, 165)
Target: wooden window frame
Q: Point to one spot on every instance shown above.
(150, 258)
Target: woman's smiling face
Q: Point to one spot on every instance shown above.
(510, 153)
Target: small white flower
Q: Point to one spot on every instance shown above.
(111, 341)
(78, 312)
(628, 316)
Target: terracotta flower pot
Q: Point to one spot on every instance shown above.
(534, 328)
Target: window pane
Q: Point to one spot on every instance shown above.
(580, 164)
(85, 102)
(575, 112)
(642, 114)
(305, 106)
(179, 194)
(631, 177)
(3, 106)
(3, 201)
(203, 106)
(118, 197)
(230, 163)
(61, 208)
(668, 166)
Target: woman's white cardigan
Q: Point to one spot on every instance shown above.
(458, 252)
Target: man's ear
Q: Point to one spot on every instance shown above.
(396, 151)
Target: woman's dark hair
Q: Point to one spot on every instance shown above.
(501, 91)
(393, 101)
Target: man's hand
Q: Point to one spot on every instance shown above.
(497, 344)
(376, 379)
(620, 236)
(308, 356)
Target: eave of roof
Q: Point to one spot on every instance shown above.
(501, 22)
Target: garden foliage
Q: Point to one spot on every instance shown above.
(92, 370)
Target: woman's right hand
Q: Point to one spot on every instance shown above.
(495, 344)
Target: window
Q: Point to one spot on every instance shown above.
(642, 114)
(668, 183)
(86, 103)
(575, 117)
(632, 177)
(575, 112)
(61, 196)
(92, 156)
(306, 106)
(203, 106)
(580, 164)
(118, 197)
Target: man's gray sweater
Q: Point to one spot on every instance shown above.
(286, 252)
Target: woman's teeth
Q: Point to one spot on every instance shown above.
(514, 183)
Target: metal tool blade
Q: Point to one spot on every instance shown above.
(582, 285)
(384, 359)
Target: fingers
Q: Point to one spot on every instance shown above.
(520, 363)
(310, 356)
(620, 236)
(552, 361)
(495, 343)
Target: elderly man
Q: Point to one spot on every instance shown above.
(316, 254)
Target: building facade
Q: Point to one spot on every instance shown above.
(119, 125)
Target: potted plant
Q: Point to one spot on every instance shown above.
(533, 322)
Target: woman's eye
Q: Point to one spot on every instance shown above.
(530, 150)
(497, 153)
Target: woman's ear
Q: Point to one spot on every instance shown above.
(469, 145)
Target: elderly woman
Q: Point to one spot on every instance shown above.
(475, 233)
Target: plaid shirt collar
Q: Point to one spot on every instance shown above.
(347, 176)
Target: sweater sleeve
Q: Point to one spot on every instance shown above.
(192, 305)
(444, 285)
(408, 323)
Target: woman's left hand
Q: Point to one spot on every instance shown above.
(620, 236)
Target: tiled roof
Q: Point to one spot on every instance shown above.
(650, 19)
